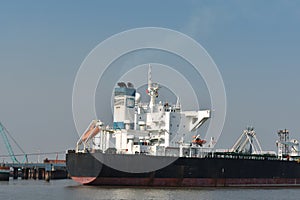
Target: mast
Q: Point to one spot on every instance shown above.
(152, 90)
(149, 77)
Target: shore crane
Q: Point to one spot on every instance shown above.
(5, 134)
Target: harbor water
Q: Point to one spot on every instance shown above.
(68, 189)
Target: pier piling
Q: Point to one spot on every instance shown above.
(48, 176)
(25, 173)
(15, 173)
(41, 173)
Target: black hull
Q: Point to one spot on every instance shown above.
(4, 176)
(187, 172)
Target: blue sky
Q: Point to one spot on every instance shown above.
(255, 45)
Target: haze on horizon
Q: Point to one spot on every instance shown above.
(255, 45)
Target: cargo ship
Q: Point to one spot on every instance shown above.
(156, 144)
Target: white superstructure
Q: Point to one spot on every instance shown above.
(153, 128)
(287, 148)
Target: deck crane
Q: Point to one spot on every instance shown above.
(247, 143)
(4, 133)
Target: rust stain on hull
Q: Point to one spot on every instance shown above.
(187, 182)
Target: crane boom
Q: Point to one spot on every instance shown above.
(4, 133)
(7, 144)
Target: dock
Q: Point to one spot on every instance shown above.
(48, 170)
